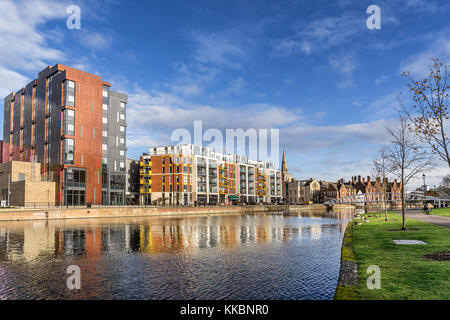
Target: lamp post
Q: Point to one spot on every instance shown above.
(424, 185)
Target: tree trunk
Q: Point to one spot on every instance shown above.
(403, 202)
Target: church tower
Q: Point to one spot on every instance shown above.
(286, 177)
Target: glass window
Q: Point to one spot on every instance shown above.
(105, 133)
(105, 120)
(105, 93)
(69, 93)
(122, 128)
(105, 107)
(122, 116)
(122, 105)
(104, 147)
(122, 153)
(69, 122)
(68, 151)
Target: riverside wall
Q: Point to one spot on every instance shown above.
(116, 212)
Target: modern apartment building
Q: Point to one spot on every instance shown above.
(132, 181)
(75, 126)
(188, 174)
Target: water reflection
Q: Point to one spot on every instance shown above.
(255, 257)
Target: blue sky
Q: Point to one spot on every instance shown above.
(310, 68)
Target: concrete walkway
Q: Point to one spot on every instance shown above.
(419, 215)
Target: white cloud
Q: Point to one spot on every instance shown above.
(95, 40)
(10, 79)
(320, 34)
(419, 63)
(24, 45)
(221, 48)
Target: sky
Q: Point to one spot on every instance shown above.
(311, 69)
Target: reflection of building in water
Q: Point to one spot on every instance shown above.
(316, 231)
(27, 243)
(41, 237)
(38, 238)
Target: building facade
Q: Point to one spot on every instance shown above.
(303, 191)
(21, 185)
(132, 181)
(189, 174)
(71, 123)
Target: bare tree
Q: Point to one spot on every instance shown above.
(406, 158)
(380, 170)
(428, 111)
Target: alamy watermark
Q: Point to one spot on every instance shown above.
(374, 20)
(238, 141)
(74, 19)
(74, 280)
(374, 280)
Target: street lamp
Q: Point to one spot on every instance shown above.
(424, 185)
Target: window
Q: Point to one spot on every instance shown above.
(122, 128)
(105, 120)
(93, 133)
(122, 116)
(122, 165)
(122, 153)
(69, 122)
(104, 160)
(105, 107)
(104, 147)
(122, 105)
(69, 93)
(21, 177)
(122, 140)
(81, 131)
(105, 93)
(105, 133)
(68, 151)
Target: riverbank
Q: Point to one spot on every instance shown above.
(116, 212)
(407, 271)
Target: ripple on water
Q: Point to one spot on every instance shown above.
(220, 257)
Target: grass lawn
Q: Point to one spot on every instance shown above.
(405, 272)
(445, 212)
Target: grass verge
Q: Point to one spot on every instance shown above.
(405, 272)
(347, 291)
(444, 212)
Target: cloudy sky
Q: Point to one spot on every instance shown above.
(309, 68)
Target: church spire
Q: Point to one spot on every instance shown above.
(284, 168)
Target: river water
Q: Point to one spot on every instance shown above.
(272, 256)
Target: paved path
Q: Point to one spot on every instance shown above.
(419, 215)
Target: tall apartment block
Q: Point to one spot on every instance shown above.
(185, 174)
(75, 126)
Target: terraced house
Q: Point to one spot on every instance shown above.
(74, 125)
(189, 174)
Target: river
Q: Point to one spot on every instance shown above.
(264, 256)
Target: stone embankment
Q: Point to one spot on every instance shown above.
(130, 211)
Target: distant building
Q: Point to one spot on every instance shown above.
(303, 191)
(189, 174)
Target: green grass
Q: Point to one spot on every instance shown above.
(347, 253)
(445, 212)
(405, 273)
